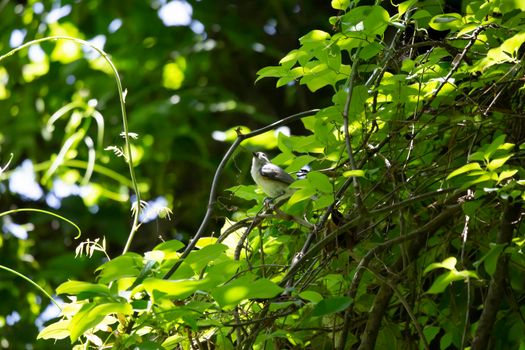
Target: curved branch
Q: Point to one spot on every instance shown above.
(47, 212)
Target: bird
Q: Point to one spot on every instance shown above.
(273, 180)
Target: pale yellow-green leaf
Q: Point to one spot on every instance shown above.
(464, 169)
(497, 163)
(449, 263)
(355, 173)
(404, 6)
(205, 241)
(340, 4)
(57, 330)
(173, 74)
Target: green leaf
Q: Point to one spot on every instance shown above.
(490, 259)
(370, 50)
(446, 341)
(291, 75)
(497, 163)
(405, 6)
(340, 4)
(271, 72)
(169, 248)
(447, 21)
(245, 192)
(505, 174)
(430, 333)
(92, 314)
(513, 44)
(301, 195)
(292, 57)
(368, 20)
(198, 259)
(449, 264)
(331, 305)
(314, 39)
(320, 76)
(493, 147)
(356, 173)
(223, 271)
(85, 289)
(311, 296)
(442, 282)
(299, 162)
(127, 265)
(175, 289)
(510, 5)
(465, 168)
(244, 288)
(320, 182)
(57, 330)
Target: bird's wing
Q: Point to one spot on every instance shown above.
(272, 171)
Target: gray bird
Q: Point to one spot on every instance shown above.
(273, 180)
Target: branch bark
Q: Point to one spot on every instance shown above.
(509, 220)
(385, 293)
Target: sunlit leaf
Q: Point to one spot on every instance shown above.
(446, 21)
(340, 4)
(198, 259)
(127, 265)
(56, 330)
(84, 288)
(449, 264)
(442, 282)
(314, 38)
(244, 288)
(179, 289)
(505, 174)
(311, 296)
(356, 173)
(405, 6)
(92, 314)
(464, 169)
(497, 163)
(271, 72)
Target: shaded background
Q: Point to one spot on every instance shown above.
(189, 69)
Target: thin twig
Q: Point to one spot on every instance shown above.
(355, 182)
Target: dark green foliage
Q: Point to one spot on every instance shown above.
(405, 233)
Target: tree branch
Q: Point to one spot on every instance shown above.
(509, 220)
(385, 292)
